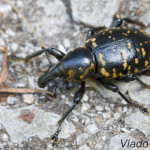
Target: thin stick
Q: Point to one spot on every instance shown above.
(26, 21)
(24, 90)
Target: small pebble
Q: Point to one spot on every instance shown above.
(107, 115)
(11, 100)
(10, 32)
(91, 128)
(85, 98)
(28, 98)
(14, 46)
(85, 107)
(66, 43)
(99, 108)
(117, 115)
(5, 137)
(2, 43)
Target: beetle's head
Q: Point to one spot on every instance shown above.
(77, 65)
(57, 71)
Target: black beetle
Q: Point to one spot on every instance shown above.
(114, 53)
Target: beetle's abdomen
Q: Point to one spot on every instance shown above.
(120, 51)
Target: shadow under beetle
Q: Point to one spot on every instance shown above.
(114, 53)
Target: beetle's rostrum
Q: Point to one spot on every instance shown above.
(114, 53)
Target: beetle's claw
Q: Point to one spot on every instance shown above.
(54, 137)
(145, 111)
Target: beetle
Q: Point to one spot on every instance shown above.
(118, 52)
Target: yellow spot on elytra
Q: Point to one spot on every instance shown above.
(80, 68)
(114, 50)
(135, 32)
(114, 73)
(114, 39)
(146, 63)
(124, 27)
(141, 44)
(103, 33)
(137, 49)
(143, 52)
(86, 71)
(92, 67)
(109, 37)
(71, 74)
(110, 32)
(136, 61)
(101, 59)
(104, 72)
(121, 74)
(146, 42)
(136, 70)
(117, 16)
(129, 69)
(77, 48)
(93, 42)
(129, 45)
(128, 31)
(124, 60)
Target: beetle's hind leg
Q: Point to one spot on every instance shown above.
(131, 77)
(78, 96)
(118, 21)
(114, 88)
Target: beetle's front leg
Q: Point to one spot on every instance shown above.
(78, 96)
(52, 51)
(114, 88)
(118, 21)
(94, 30)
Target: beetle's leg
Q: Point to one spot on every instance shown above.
(94, 30)
(131, 77)
(117, 21)
(52, 51)
(114, 88)
(78, 96)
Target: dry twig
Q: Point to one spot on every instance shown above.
(24, 90)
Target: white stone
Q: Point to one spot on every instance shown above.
(14, 46)
(85, 107)
(139, 121)
(43, 125)
(91, 128)
(5, 137)
(84, 147)
(117, 115)
(11, 100)
(94, 12)
(107, 115)
(10, 32)
(28, 98)
(85, 98)
(2, 42)
(66, 43)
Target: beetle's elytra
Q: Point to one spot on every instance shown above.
(114, 53)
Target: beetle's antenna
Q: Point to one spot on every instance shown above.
(47, 59)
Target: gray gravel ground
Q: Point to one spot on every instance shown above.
(102, 119)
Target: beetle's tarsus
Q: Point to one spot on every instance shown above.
(145, 111)
(54, 137)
